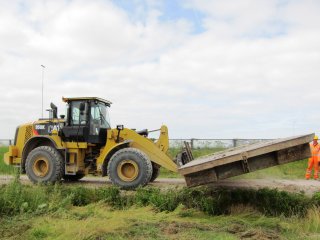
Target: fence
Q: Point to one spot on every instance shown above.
(194, 142)
(6, 142)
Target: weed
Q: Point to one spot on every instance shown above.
(270, 202)
(10, 228)
(4, 168)
(112, 196)
(167, 201)
(81, 196)
(275, 203)
(16, 198)
(316, 198)
(312, 220)
(184, 212)
(39, 233)
(163, 201)
(56, 198)
(143, 195)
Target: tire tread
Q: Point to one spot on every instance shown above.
(141, 155)
(57, 160)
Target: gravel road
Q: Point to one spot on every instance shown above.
(309, 187)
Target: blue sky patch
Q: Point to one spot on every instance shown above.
(171, 10)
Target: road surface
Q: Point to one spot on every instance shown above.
(309, 187)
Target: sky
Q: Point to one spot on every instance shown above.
(205, 68)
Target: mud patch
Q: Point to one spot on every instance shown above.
(259, 235)
(176, 227)
(242, 232)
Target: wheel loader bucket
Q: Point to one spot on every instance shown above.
(244, 159)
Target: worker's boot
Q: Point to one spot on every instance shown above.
(308, 173)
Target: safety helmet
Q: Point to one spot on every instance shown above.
(315, 137)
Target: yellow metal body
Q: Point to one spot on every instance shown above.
(128, 170)
(13, 156)
(156, 154)
(40, 166)
(27, 139)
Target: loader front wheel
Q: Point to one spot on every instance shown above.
(155, 172)
(129, 168)
(44, 164)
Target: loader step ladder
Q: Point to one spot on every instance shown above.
(71, 162)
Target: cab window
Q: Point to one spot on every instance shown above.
(99, 118)
(75, 117)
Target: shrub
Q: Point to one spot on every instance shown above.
(16, 198)
(143, 195)
(166, 201)
(81, 196)
(316, 199)
(112, 196)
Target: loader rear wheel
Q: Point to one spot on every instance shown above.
(73, 178)
(155, 172)
(129, 168)
(44, 164)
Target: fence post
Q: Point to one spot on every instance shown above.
(192, 143)
(234, 142)
(10, 142)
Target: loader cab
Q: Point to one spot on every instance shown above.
(87, 120)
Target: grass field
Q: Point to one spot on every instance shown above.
(5, 169)
(294, 170)
(98, 221)
(68, 212)
(76, 212)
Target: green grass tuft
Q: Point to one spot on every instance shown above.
(42, 211)
(4, 168)
(16, 198)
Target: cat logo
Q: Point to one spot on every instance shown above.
(53, 127)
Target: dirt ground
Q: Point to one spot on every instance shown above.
(309, 187)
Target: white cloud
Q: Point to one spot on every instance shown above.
(253, 72)
(231, 18)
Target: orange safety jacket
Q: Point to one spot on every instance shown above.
(315, 151)
(313, 161)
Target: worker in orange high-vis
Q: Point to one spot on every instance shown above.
(313, 160)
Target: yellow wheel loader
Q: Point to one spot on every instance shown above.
(83, 142)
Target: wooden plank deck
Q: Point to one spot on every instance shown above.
(244, 159)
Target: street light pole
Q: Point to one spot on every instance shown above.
(43, 67)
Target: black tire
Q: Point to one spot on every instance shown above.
(129, 168)
(73, 178)
(44, 165)
(155, 172)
